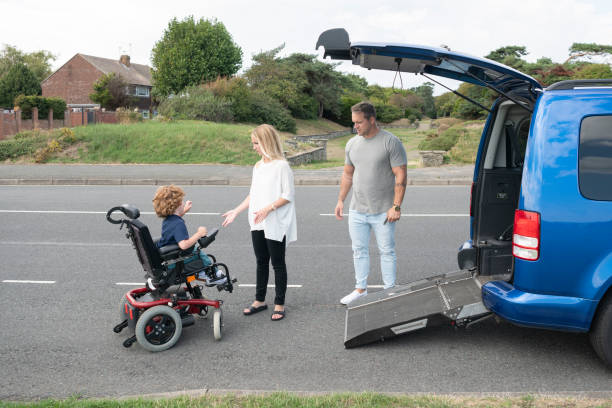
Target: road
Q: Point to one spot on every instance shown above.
(56, 331)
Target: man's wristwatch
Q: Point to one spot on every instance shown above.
(397, 207)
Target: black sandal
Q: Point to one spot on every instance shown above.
(278, 312)
(253, 310)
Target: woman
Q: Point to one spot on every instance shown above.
(271, 217)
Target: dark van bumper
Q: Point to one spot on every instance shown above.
(537, 310)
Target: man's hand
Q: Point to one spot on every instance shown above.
(393, 215)
(339, 210)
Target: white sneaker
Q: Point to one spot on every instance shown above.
(352, 296)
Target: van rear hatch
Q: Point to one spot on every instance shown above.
(426, 60)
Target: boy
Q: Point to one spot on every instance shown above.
(168, 204)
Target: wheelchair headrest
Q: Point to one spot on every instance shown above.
(129, 210)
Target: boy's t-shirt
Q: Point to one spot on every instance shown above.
(173, 231)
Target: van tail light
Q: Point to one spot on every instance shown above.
(526, 239)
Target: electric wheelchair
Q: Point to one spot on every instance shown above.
(158, 312)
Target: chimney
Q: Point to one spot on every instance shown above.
(125, 60)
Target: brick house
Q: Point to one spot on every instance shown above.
(74, 81)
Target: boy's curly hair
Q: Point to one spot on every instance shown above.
(167, 199)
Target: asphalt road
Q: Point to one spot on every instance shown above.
(56, 336)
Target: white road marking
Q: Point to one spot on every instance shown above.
(252, 285)
(376, 286)
(91, 212)
(130, 283)
(26, 281)
(412, 215)
(202, 213)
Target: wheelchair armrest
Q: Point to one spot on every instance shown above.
(208, 239)
(169, 251)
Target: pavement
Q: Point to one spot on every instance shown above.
(197, 174)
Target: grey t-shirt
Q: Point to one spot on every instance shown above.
(373, 180)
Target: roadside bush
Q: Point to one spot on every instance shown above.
(197, 103)
(265, 109)
(26, 103)
(25, 143)
(444, 141)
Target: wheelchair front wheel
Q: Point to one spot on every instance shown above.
(218, 324)
(158, 328)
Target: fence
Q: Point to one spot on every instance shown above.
(11, 122)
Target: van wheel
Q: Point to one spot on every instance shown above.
(601, 331)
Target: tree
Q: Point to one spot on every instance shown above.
(19, 80)
(578, 50)
(191, 53)
(425, 91)
(110, 91)
(39, 62)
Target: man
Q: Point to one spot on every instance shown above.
(375, 167)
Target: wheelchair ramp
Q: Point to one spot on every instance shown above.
(454, 296)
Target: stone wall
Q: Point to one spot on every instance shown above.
(316, 154)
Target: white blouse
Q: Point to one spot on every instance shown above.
(271, 181)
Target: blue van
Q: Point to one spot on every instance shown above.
(539, 253)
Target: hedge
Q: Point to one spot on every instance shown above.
(26, 103)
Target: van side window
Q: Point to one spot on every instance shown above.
(595, 158)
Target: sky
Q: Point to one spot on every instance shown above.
(547, 28)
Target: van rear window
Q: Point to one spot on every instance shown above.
(595, 158)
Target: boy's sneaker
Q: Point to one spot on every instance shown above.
(218, 279)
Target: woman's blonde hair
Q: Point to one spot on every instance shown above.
(269, 142)
(167, 199)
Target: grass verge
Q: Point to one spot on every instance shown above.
(289, 400)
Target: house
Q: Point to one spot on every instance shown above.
(74, 81)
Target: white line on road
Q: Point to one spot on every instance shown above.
(252, 285)
(26, 281)
(412, 215)
(130, 283)
(91, 212)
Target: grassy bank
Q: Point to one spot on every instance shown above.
(287, 400)
(207, 142)
(146, 142)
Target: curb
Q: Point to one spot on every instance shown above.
(216, 181)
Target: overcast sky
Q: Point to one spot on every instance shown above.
(111, 28)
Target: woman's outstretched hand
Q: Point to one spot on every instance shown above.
(229, 216)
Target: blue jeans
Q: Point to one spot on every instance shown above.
(360, 225)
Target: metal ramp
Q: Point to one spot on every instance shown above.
(451, 297)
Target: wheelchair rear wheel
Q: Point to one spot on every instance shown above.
(158, 328)
(218, 324)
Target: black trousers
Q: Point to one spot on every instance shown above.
(267, 250)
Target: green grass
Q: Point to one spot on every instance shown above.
(289, 400)
(165, 142)
(197, 142)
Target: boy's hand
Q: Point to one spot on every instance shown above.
(202, 232)
(187, 206)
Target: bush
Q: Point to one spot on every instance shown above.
(22, 144)
(444, 141)
(388, 113)
(26, 103)
(197, 103)
(126, 115)
(265, 109)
